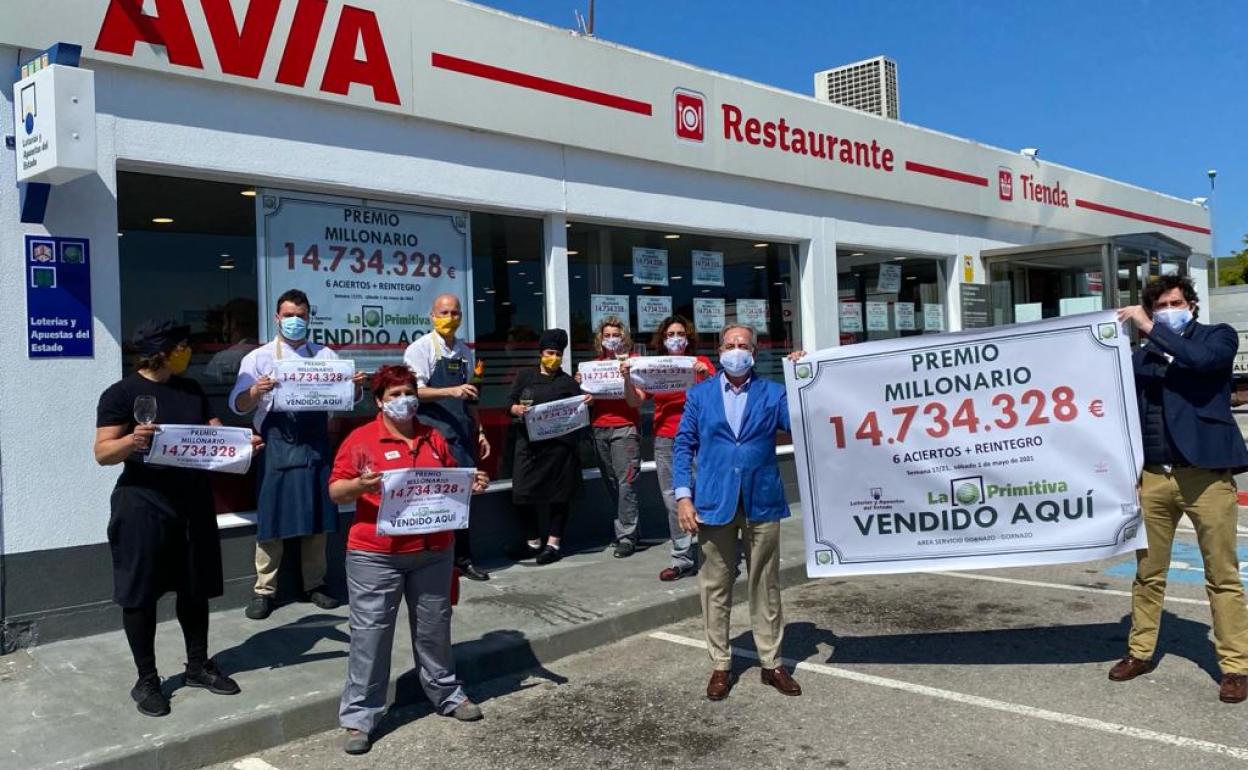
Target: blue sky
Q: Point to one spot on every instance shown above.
(1148, 92)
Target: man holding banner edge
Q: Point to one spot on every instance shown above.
(729, 426)
(1192, 449)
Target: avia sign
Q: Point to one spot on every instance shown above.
(240, 45)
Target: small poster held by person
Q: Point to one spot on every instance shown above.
(313, 385)
(556, 418)
(601, 379)
(418, 501)
(202, 448)
(663, 374)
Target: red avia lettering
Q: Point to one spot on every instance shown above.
(1042, 193)
(241, 49)
(800, 141)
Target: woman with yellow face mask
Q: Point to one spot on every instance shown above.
(163, 528)
(549, 471)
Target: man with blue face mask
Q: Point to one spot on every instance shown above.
(729, 426)
(293, 498)
(1192, 449)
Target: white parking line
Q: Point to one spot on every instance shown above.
(1062, 586)
(253, 763)
(1113, 728)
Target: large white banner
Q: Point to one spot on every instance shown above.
(1014, 446)
(370, 269)
(418, 501)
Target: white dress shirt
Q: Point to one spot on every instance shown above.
(422, 355)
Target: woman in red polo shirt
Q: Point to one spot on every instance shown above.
(382, 570)
(675, 337)
(617, 440)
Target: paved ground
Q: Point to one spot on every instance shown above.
(1002, 669)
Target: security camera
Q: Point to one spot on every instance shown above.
(1200, 201)
(1029, 152)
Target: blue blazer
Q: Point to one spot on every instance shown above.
(1196, 391)
(732, 468)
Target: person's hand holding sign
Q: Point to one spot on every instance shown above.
(1136, 315)
(368, 481)
(480, 482)
(265, 384)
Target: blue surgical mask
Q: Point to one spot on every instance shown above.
(1174, 319)
(736, 362)
(294, 328)
(400, 409)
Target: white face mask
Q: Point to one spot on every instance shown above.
(1175, 319)
(400, 409)
(676, 344)
(736, 361)
(612, 343)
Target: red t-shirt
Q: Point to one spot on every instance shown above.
(668, 407)
(612, 412)
(389, 452)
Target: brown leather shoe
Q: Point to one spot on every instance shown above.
(1129, 668)
(1234, 688)
(779, 678)
(720, 684)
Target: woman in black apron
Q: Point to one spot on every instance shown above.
(163, 529)
(546, 471)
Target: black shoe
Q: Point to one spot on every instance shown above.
(260, 607)
(470, 571)
(148, 697)
(549, 555)
(212, 680)
(522, 551)
(321, 598)
(624, 549)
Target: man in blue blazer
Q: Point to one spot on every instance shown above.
(729, 426)
(1192, 449)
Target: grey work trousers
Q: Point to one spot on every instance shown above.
(619, 458)
(376, 584)
(684, 555)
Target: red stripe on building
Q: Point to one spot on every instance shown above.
(525, 80)
(945, 173)
(1081, 203)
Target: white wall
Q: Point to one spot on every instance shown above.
(53, 493)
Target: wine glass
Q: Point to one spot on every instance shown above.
(363, 460)
(639, 349)
(145, 410)
(526, 398)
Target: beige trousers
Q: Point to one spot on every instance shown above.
(1209, 499)
(269, 558)
(717, 576)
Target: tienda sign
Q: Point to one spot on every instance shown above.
(241, 47)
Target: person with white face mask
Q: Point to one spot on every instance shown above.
(1192, 449)
(675, 336)
(729, 430)
(293, 501)
(383, 571)
(617, 439)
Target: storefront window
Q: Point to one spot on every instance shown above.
(644, 275)
(886, 295)
(188, 253)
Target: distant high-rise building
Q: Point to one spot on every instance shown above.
(869, 85)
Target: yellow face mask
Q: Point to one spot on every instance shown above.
(551, 363)
(179, 359)
(445, 324)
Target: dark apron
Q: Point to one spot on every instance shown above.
(294, 477)
(450, 415)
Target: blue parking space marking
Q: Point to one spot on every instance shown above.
(1186, 566)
